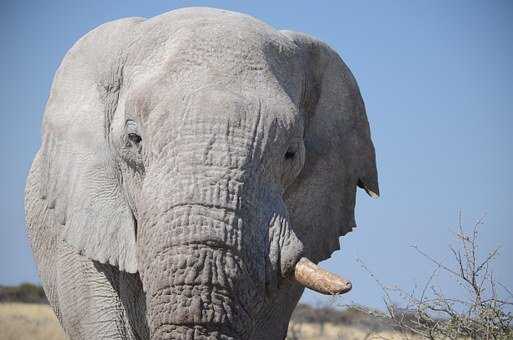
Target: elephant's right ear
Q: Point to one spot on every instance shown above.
(339, 153)
(79, 179)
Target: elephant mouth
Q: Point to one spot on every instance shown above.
(292, 265)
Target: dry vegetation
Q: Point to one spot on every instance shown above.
(306, 331)
(28, 321)
(482, 308)
(24, 321)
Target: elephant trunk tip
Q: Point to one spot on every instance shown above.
(310, 275)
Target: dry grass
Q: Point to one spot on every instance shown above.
(24, 321)
(307, 331)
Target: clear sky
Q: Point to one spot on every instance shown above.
(437, 80)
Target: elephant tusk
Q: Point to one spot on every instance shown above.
(310, 275)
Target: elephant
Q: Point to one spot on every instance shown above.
(194, 169)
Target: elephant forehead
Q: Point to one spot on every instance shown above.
(223, 111)
(199, 45)
(199, 33)
(220, 106)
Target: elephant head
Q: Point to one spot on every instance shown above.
(209, 153)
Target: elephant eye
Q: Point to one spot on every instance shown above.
(134, 138)
(131, 129)
(289, 155)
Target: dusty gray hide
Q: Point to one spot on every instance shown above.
(188, 162)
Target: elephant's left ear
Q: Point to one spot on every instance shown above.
(339, 151)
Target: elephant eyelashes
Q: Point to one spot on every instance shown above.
(134, 138)
(132, 150)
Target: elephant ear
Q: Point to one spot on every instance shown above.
(339, 151)
(79, 180)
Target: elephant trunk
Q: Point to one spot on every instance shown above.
(196, 295)
(197, 284)
(202, 277)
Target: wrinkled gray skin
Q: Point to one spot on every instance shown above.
(187, 162)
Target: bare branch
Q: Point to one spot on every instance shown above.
(481, 313)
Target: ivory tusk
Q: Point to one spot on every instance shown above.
(310, 275)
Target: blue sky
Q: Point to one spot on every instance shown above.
(437, 80)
